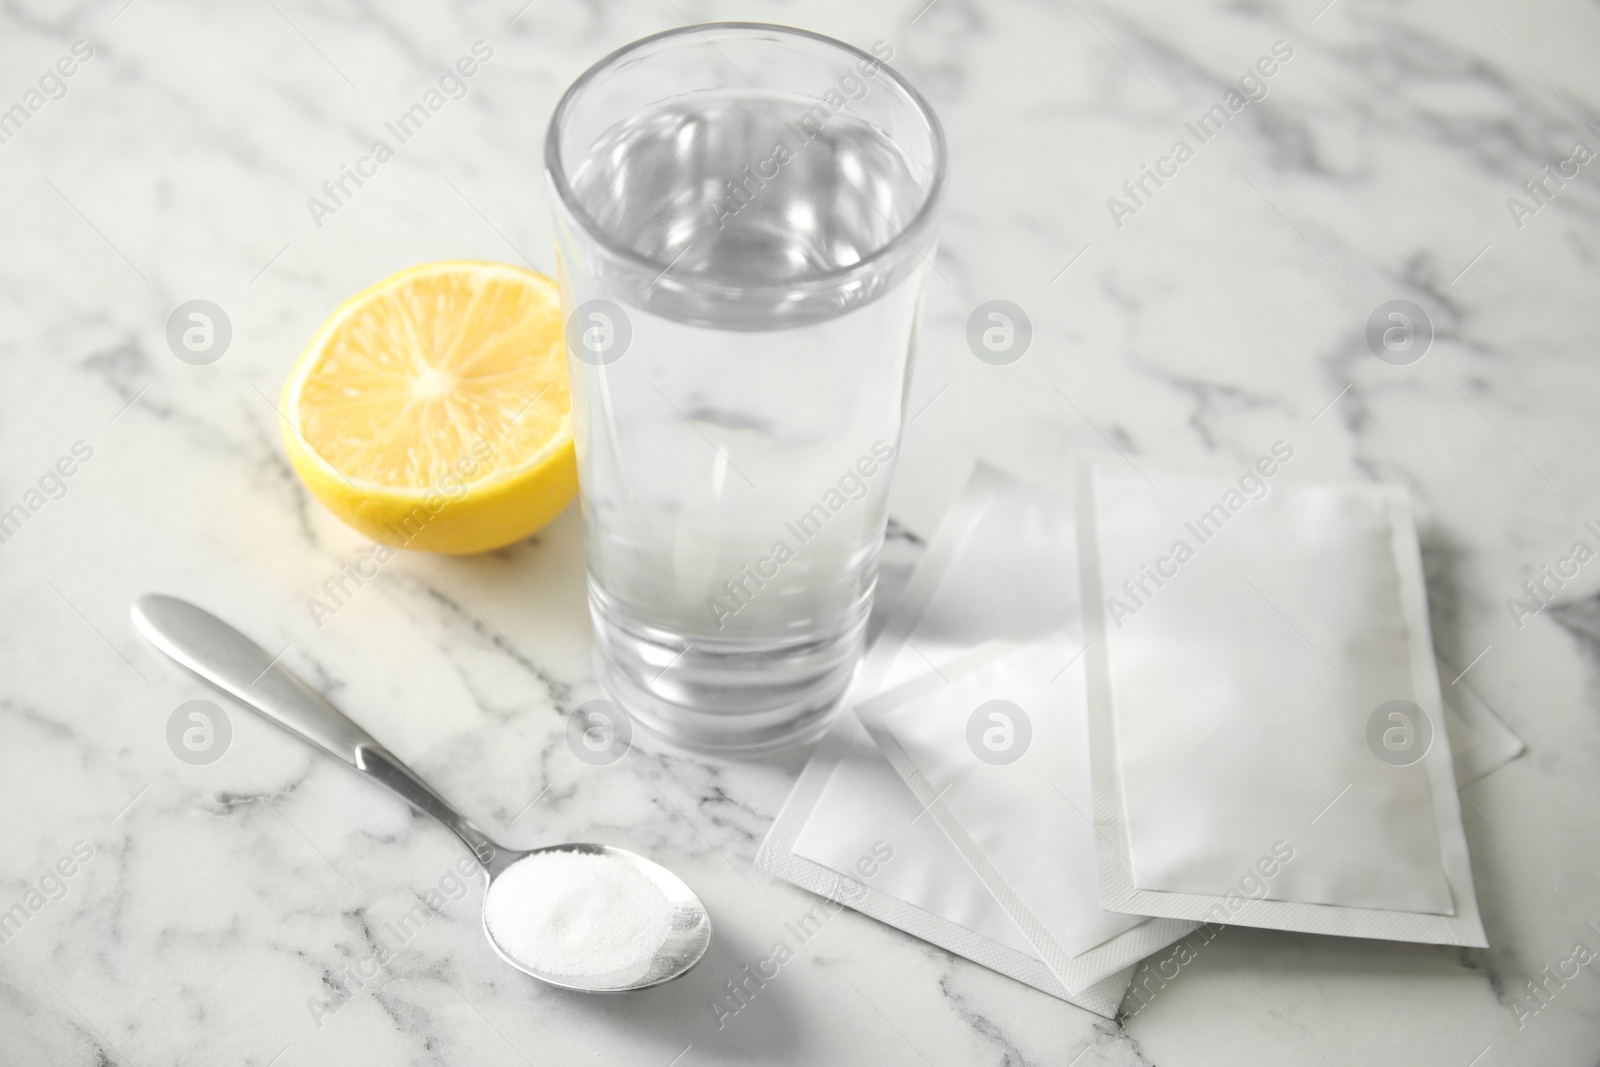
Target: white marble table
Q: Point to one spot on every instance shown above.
(1221, 310)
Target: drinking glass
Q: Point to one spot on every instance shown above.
(744, 220)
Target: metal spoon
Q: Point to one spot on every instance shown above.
(245, 671)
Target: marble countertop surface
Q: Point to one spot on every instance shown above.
(1424, 152)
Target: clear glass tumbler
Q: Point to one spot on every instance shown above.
(745, 220)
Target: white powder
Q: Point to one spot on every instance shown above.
(579, 914)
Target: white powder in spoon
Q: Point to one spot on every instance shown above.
(577, 914)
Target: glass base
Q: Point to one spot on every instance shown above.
(729, 697)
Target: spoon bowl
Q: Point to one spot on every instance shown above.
(230, 661)
(688, 927)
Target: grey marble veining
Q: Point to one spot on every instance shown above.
(224, 908)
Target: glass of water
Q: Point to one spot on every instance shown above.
(745, 220)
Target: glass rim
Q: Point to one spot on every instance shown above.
(557, 174)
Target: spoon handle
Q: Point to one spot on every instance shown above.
(251, 675)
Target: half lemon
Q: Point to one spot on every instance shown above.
(431, 411)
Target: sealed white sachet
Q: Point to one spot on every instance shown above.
(848, 802)
(849, 798)
(994, 744)
(1004, 562)
(980, 577)
(1267, 733)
